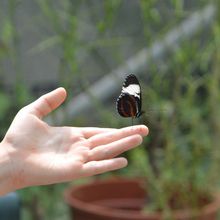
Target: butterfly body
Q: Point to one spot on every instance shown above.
(129, 101)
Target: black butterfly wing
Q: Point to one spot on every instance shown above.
(129, 102)
(131, 80)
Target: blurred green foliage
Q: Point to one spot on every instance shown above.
(181, 153)
(182, 100)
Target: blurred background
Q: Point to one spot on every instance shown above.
(88, 47)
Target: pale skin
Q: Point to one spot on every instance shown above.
(35, 153)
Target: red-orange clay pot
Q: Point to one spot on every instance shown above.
(123, 199)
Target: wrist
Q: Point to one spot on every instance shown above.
(6, 180)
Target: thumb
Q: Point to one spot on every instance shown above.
(47, 103)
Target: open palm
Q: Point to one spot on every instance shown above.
(41, 154)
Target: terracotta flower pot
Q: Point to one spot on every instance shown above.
(123, 200)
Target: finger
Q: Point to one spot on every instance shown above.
(91, 131)
(96, 167)
(108, 137)
(47, 103)
(115, 148)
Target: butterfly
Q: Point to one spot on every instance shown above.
(129, 101)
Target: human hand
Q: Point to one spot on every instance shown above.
(39, 154)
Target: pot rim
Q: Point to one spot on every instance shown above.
(132, 214)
